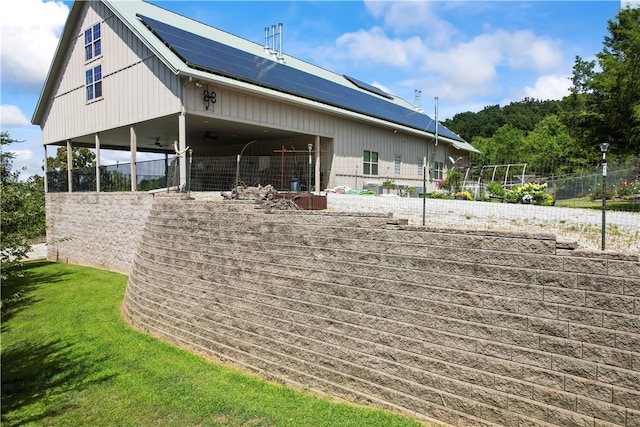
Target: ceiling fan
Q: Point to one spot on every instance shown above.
(208, 137)
(157, 142)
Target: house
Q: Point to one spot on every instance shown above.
(129, 75)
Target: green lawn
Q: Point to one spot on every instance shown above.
(586, 202)
(68, 359)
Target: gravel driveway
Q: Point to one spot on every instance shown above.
(582, 226)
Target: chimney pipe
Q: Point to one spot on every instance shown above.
(280, 54)
(266, 38)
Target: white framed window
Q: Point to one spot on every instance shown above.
(420, 164)
(93, 82)
(92, 42)
(397, 164)
(438, 170)
(370, 162)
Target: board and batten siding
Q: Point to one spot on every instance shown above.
(352, 138)
(137, 86)
(244, 107)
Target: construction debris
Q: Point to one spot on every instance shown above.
(265, 195)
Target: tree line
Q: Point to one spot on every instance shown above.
(561, 137)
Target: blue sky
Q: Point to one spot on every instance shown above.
(470, 54)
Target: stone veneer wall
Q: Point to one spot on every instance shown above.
(97, 229)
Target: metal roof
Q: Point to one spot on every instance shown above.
(133, 12)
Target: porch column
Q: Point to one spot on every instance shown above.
(69, 166)
(46, 167)
(182, 148)
(97, 139)
(318, 189)
(134, 147)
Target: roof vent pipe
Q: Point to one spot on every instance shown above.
(266, 38)
(280, 54)
(273, 38)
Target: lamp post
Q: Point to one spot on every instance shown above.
(238, 161)
(604, 146)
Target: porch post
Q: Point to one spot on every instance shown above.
(46, 167)
(97, 139)
(69, 166)
(182, 147)
(133, 148)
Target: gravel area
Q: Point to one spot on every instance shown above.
(582, 226)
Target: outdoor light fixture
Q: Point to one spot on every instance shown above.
(238, 161)
(604, 146)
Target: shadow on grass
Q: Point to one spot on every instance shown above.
(43, 373)
(16, 291)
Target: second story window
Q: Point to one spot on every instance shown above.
(92, 42)
(93, 83)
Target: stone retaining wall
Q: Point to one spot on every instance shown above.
(470, 328)
(97, 229)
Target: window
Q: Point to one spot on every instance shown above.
(397, 163)
(420, 164)
(92, 42)
(370, 163)
(94, 83)
(438, 170)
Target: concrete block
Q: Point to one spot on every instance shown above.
(601, 283)
(589, 388)
(573, 297)
(621, 322)
(554, 397)
(626, 398)
(624, 268)
(601, 410)
(585, 265)
(619, 377)
(607, 355)
(592, 334)
(608, 302)
(557, 328)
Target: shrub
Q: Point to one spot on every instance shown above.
(530, 193)
(495, 189)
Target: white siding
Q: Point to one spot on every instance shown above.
(253, 109)
(136, 85)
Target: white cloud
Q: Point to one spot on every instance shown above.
(549, 87)
(375, 45)
(483, 65)
(404, 17)
(10, 115)
(30, 32)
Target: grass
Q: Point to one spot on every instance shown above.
(68, 359)
(586, 202)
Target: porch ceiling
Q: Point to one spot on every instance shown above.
(207, 133)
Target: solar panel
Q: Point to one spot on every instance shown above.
(367, 86)
(209, 55)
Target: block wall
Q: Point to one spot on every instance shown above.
(97, 229)
(472, 328)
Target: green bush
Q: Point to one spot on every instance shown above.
(530, 193)
(495, 189)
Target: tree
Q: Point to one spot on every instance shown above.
(23, 213)
(604, 105)
(81, 158)
(503, 147)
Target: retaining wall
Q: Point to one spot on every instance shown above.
(97, 229)
(470, 328)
